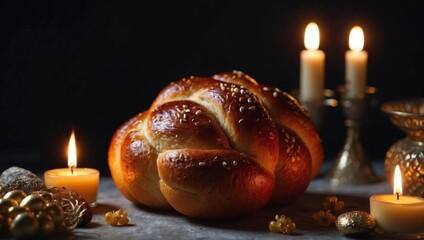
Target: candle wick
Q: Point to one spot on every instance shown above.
(397, 195)
(72, 172)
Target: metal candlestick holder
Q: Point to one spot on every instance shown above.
(351, 165)
(318, 109)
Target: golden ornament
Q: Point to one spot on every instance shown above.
(13, 211)
(56, 212)
(46, 223)
(355, 223)
(24, 226)
(5, 204)
(16, 195)
(33, 202)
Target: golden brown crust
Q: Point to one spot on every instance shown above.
(139, 170)
(185, 123)
(216, 148)
(214, 184)
(292, 174)
(240, 114)
(286, 111)
(132, 161)
(114, 158)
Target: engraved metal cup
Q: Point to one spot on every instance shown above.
(351, 165)
(408, 152)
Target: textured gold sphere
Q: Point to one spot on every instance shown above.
(355, 222)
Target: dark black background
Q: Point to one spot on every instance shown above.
(90, 65)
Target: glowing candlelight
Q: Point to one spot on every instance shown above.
(72, 153)
(396, 213)
(84, 181)
(397, 183)
(311, 66)
(356, 64)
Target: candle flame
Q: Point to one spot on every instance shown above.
(356, 39)
(72, 152)
(397, 183)
(312, 36)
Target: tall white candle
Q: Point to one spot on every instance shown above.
(311, 66)
(356, 64)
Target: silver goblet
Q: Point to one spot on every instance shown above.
(351, 165)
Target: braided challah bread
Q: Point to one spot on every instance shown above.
(216, 147)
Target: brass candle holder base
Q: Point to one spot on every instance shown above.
(318, 109)
(351, 165)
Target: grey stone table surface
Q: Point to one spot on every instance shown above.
(150, 224)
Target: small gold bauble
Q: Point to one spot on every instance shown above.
(46, 223)
(24, 226)
(13, 211)
(56, 212)
(355, 222)
(16, 195)
(5, 204)
(33, 202)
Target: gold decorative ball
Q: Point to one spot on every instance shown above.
(355, 223)
(24, 226)
(56, 212)
(16, 195)
(13, 211)
(5, 204)
(34, 203)
(46, 223)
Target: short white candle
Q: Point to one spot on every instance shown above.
(356, 64)
(396, 213)
(311, 66)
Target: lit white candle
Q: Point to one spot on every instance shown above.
(311, 66)
(356, 64)
(396, 213)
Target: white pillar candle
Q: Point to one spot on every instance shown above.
(311, 66)
(356, 64)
